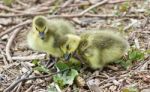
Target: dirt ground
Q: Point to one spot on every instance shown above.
(131, 17)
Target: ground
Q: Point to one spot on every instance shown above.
(132, 18)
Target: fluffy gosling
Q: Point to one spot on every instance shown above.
(98, 48)
(46, 35)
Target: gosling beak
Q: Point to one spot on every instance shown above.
(67, 56)
(42, 35)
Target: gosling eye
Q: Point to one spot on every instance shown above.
(67, 47)
(36, 29)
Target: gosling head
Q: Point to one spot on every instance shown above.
(40, 26)
(70, 45)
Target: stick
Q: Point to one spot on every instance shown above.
(24, 78)
(4, 58)
(23, 14)
(9, 9)
(93, 6)
(14, 27)
(9, 43)
(71, 16)
(40, 56)
(17, 81)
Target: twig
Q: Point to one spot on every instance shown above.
(133, 22)
(145, 87)
(71, 15)
(21, 3)
(9, 43)
(4, 58)
(30, 78)
(48, 3)
(95, 15)
(23, 14)
(136, 41)
(112, 16)
(86, 3)
(39, 9)
(94, 88)
(40, 56)
(107, 80)
(66, 3)
(45, 76)
(14, 27)
(17, 81)
(19, 87)
(43, 9)
(15, 88)
(106, 85)
(30, 88)
(116, 1)
(93, 6)
(9, 9)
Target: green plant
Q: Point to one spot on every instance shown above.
(40, 68)
(134, 55)
(64, 78)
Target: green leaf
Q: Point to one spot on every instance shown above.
(65, 78)
(61, 65)
(125, 64)
(36, 62)
(53, 87)
(58, 80)
(42, 69)
(135, 55)
(70, 76)
(74, 64)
